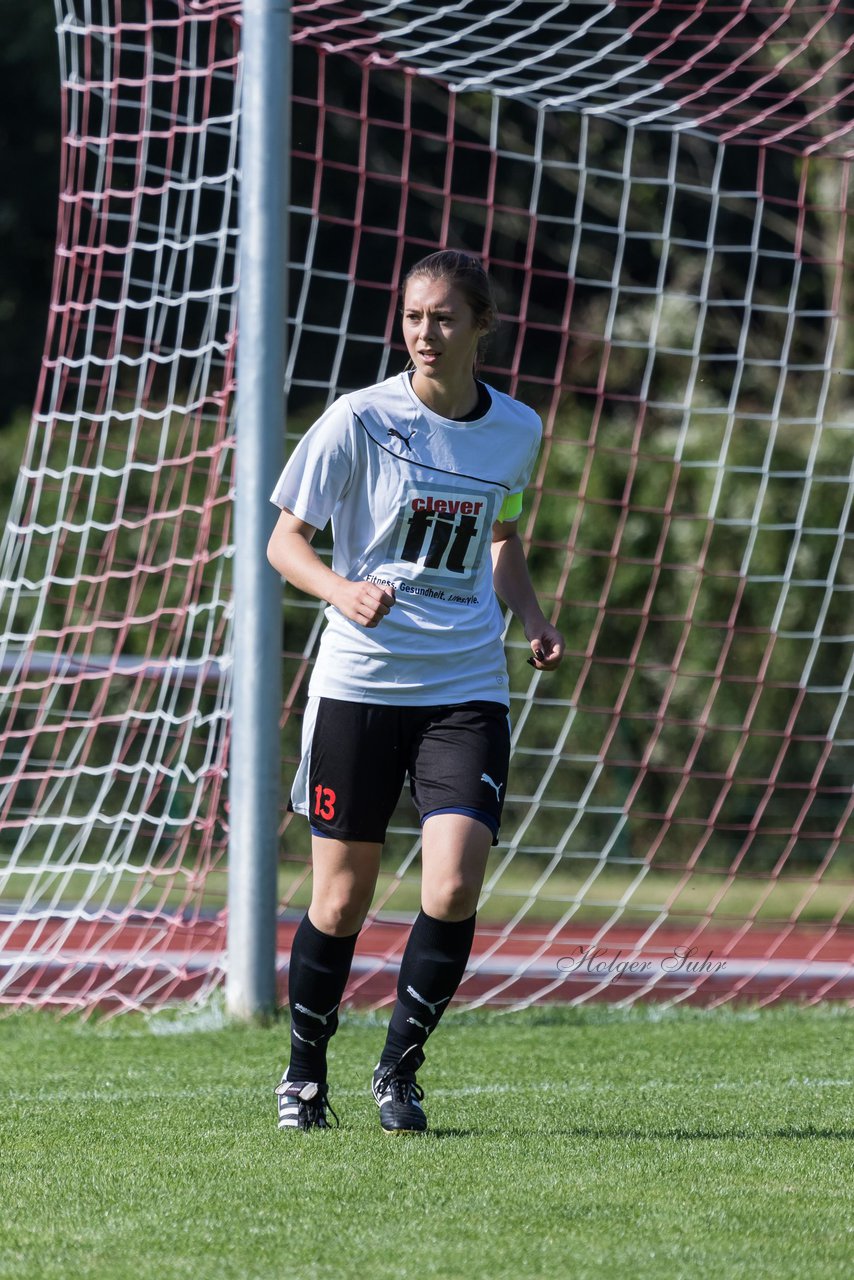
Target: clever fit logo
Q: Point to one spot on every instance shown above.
(442, 534)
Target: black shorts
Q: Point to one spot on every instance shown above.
(356, 756)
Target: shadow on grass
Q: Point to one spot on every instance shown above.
(802, 1132)
(446, 1132)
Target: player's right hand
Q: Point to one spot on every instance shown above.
(363, 602)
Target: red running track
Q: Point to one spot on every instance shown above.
(138, 962)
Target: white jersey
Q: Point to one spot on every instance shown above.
(412, 497)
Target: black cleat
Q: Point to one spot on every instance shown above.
(303, 1104)
(398, 1096)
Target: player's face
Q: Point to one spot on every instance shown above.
(440, 331)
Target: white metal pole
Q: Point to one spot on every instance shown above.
(257, 679)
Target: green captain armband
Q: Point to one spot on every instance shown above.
(511, 508)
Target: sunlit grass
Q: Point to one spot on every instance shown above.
(654, 1144)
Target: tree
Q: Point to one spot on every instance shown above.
(29, 161)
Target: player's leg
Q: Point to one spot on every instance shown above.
(344, 878)
(454, 854)
(455, 850)
(459, 782)
(346, 786)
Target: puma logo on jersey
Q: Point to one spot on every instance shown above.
(496, 786)
(422, 1025)
(393, 431)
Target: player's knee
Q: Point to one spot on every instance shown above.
(340, 914)
(452, 900)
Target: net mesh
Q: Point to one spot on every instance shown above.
(115, 559)
(661, 193)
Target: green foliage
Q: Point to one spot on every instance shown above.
(692, 518)
(29, 153)
(131, 561)
(690, 560)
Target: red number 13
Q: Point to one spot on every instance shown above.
(324, 803)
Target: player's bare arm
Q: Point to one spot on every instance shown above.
(291, 554)
(513, 585)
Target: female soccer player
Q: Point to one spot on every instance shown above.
(422, 476)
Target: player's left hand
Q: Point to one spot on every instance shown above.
(547, 646)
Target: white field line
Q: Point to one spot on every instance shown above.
(518, 1088)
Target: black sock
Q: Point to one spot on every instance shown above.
(317, 975)
(430, 972)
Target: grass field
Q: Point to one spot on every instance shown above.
(564, 1143)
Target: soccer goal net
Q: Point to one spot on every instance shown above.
(662, 194)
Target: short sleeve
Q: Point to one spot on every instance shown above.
(511, 508)
(320, 468)
(525, 479)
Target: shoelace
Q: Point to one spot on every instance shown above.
(315, 1110)
(402, 1088)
